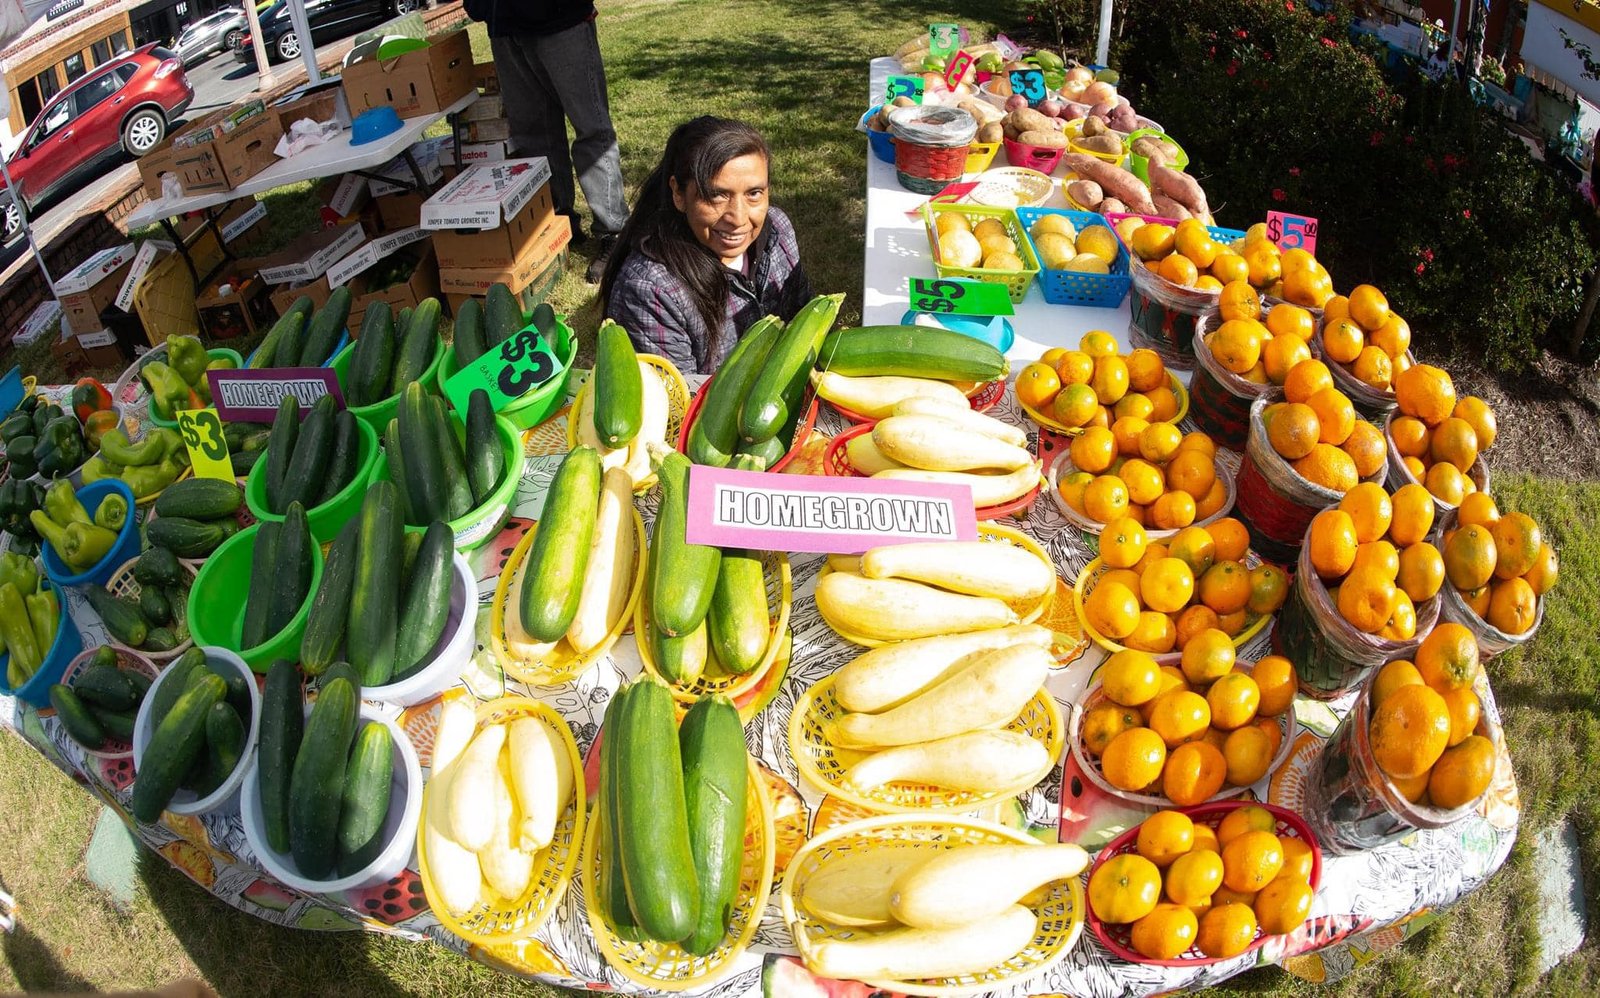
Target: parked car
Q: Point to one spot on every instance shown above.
(220, 32)
(329, 19)
(124, 105)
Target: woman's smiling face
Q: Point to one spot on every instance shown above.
(727, 218)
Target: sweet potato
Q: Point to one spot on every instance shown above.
(1102, 110)
(1111, 206)
(1107, 144)
(1181, 188)
(1086, 193)
(1155, 149)
(1168, 208)
(1115, 181)
(1045, 138)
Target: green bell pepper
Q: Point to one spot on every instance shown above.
(187, 357)
(18, 632)
(19, 453)
(18, 424)
(117, 449)
(19, 571)
(112, 512)
(44, 617)
(61, 504)
(59, 448)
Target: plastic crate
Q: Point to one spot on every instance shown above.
(1067, 287)
(1016, 281)
(1039, 158)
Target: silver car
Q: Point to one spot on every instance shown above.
(220, 32)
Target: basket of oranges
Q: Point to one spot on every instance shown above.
(1497, 569)
(1246, 353)
(1067, 390)
(1417, 749)
(1367, 346)
(1153, 472)
(1437, 440)
(1366, 588)
(1178, 271)
(1232, 874)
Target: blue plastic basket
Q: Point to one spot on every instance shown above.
(125, 548)
(882, 143)
(344, 341)
(10, 390)
(67, 646)
(1068, 287)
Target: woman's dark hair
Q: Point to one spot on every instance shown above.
(696, 153)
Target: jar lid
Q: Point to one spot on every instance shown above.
(933, 125)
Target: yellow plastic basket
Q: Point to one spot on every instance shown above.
(780, 592)
(1028, 611)
(665, 966)
(1091, 575)
(980, 155)
(561, 663)
(824, 765)
(1060, 911)
(678, 396)
(1179, 391)
(1016, 281)
(497, 919)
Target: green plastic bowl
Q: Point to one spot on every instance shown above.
(478, 526)
(217, 599)
(215, 353)
(536, 407)
(329, 518)
(378, 414)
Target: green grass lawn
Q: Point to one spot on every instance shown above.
(799, 71)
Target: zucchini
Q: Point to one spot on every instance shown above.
(291, 575)
(282, 722)
(765, 454)
(82, 726)
(652, 823)
(715, 784)
(544, 320)
(308, 466)
(409, 546)
(344, 460)
(911, 352)
(280, 451)
(486, 459)
(365, 801)
(326, 327)
(618, 387)
(552, 581)
(238, 695)
(116, 724)
(254, 629)
(715, 435)
(457, 490)
(158, 566)
(184, 537)
(737, 622)
(199, 499)
(153, 605)
(683, 575)
(503, 317)
(370, 638)
(613, 890)
(415, 348)
(422, 464)
(330, 608)
(372, 361)
(469, 345)
(105, 686)
(426, 605)
(295, 317)
(174, 681)
(316, 784)
(394, 453)
(174, 747)
(681, 660)
(121, 617)
(225, 738)
(766, 406)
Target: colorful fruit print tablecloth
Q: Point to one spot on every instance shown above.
(1367, 902)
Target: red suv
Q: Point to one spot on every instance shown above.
(124, 105)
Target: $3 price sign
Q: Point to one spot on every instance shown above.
(1029, 83)
(507, 372)
(208, 448)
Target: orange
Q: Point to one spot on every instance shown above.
(1074, 406)
(1052, 356)
(1410, 436)
(1333, 543)
(1106, 722)
(1155, 633)
(1112, 609)
(1225, 587)
(1234, 700)
(1513, 607)
(1294, 430)
(1373, 367)
(1366, 599)
(1370, 511)
(1195, 875)
(1283, 905)
(1409, 731)
(1402, 622)
(1180, 716)
(1275, 678)
(1098, 343)
(1194, 773)
(1074, 368)
(1446, 482)
(1546, 568)
(1470, 557)
(1205, 840)
(1139, 514)
(1159, 442)
(1191, 471)
(1269, 589)
(1122, 543)
(1144, 481)
(1134, 759)
(1130, 678)
(1335, 415)
(1380, 555)
(1249, 818)
(1226, 930)
(1110, 379)
(1415, 467)
(1477, 508)
(1213, 501)
(1478, 601)
(1273, 730)
(1197, 440)
(1413, 515)
(1236, 344)
(1455, 441)
(1329, 467)
(1306, 379)
(1037, 385)
(1195, 547)
(1207, 656)
(1167, 586)
(1464, 712)
(1153, 552)
(1226, 896)
(1166, 933)
(1251, 861)
(1232, 624)
(1297, 859)
(1171, 679)
(1071, 489)
(1292, 321)
(1123, 576)
(1342, 341)
(1164, 836)
(1230, 538)
(1368, 306)
(1094, 449)
(1366, 448)
(1106, 499)
(1462, 773)
(1393, 337)
(1145, 370)
(1480, 417)
(1392, 677)
(1195, 619)
(1179, 269)
(1421, 571)
(1131, 408)
(1248, 754)
(1448, 659)
(1426, 392)
(1265, 265)
(1125, 888)
(1517, 541)
(1238, 299)
(1173, 511)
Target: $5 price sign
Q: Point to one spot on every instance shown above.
(208, 448)
(1292, 231)
(953, 297)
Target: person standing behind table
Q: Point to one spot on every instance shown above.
(547, 54)
(704, 255)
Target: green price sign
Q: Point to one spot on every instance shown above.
(507, 372)
(955, 297)
(943, 39)
(208, 448)
(903, 86)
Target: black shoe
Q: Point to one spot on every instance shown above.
(597, 266)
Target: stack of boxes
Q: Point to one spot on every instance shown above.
(496, 224)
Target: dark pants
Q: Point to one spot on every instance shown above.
(546, 81)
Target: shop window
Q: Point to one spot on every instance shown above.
(101, 50)
(74, 66)
(119, 42)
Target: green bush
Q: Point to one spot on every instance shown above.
(1417, 191)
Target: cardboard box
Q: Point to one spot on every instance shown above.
(285, 295)
(345, 195)
(69, 354)
(430, 154)
(400, 211)
(310, 255)
(498, 130)
(499, 247)
(486, 77)
(319, 105)
(423, 283)
(235, 219)
(422, 81)
(543, 284)
(246, 310)
(488, 215)
(93, 285)
(488, 107)
(548, 244)
(379, 248)
(44, 320)
(100, 349)
(473, 153)
(221, 164)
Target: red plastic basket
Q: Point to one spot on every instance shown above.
(1040, 158)
(983, 398)
(802, 430)
(836, 463)
(1118, 938)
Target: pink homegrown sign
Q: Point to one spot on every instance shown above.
(802, 513)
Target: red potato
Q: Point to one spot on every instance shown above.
(1181, 188)
(1115, 181)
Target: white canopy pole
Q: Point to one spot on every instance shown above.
(1102, 49)
(27, 230)
(302, 29)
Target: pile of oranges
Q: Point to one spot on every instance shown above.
(1372, 553)
(1423, 716)
(1159, 598)
(1260, 351)
(1364, 335)
(1501, 565)
(1438, 436)
(1151, 472)
(1095, 386)
(1191, 886)
(1317, 431)
(1189, 256)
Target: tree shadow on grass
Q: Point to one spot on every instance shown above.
(36, 967)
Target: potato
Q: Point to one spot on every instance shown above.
(1026, 119)
(1044, 138)
(1093, 126)
(1107, 144)
(1009, 130)
(1086, 193)
(876, 123)
(991, 132)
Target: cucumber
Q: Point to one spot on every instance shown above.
(469, 345)
(613, 890)
(341, 670)
(426, 605)
(911, 352)
(486, 459)
(175, 681)
(372, 361)
(326, 327)
(186, 538)
(308, 466)
(282, 722)
(715, 434)
(287, 351)
(457, 490)
(365, 801)
(409, 546)
(316, 784)
(683, 575)
(330, 608)
(422, 464)
(375, 595)
(544, 320)
(225, 737)
(257, 602)
(280, 451)
(105, 686)
(766, 407)
(737, 622)
(295, 317)
(81, 725)
(238, 695)
(121, 617)
(503, 317)
(153, 605)
(652, 823)
(344, 460)
(715, 785)
(291, 575)
(116, 724)
(174, 747)
(161, 639)
(158, 566)
(394, 453)
(415, 348)
(243, 462)
(141, 684)
(553, 574)
(618, 386)
(198, 499)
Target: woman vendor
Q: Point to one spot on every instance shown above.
(704, 255)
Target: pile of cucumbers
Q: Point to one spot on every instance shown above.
(385, 594)
(305, 336)
(200, 722)
(246, 443)
(280, 576)
(436, 475)
(157, 620)
(102, 701)
(311, 462)
(754, 403)
(672, 817)
(390, 355)
(483, 326)
(194, 516)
